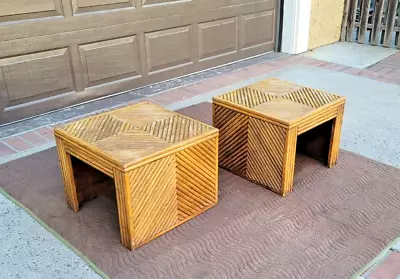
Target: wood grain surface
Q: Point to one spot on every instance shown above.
(164, 166)
(259, 125)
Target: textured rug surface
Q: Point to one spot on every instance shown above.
(334, 222)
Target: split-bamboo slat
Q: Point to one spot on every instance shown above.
(164, 166)
(260, 124)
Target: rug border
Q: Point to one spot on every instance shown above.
(376, 259)
(91, 264)
(96, 269)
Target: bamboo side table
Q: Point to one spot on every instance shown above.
(164, 165)
(262, 124)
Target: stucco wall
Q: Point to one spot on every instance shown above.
(325, 22)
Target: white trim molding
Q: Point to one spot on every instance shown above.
(296, 26)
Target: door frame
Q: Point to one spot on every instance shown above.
(278, 25)
(295, 26)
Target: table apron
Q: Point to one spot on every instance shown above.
(90, 159)
(317, 120)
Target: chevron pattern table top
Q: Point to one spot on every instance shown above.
(134, 134)
(279, 101)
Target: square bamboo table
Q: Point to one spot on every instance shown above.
(260, 125)
(164, 166)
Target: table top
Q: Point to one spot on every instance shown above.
(279, 100)
(135, 133)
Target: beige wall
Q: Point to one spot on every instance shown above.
(325, 22)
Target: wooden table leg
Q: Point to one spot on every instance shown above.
(122, 186)
(68, 176)
(289, 161)
(335, 138)
(271, 155)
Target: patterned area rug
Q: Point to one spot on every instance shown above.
(334, 222)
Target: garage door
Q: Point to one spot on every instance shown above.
(55, 53)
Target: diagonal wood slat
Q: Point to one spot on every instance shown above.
(233, 139)
(155, 205)
(97, 128)
(196, 175)
(311, 97)
(176, 128)
(248, 97)
(266, 147)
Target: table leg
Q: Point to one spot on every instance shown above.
(68, 176)
(289, 161)
(271, 155)
(335, 138)
(122, 186)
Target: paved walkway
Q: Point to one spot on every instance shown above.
(18, 142)
(389, 67)
(351, 54)
(28, 250)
